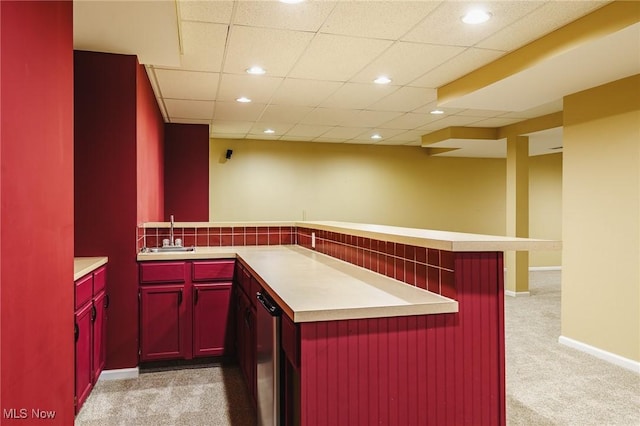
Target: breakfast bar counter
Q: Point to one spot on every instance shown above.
(394, 326)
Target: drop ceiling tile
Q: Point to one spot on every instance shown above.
(329, 116)
(344, 132)
(404, 62)
(405, 99)
(408, 121)
(258, 88)
(306, 16)
(203, 11)
(294, 91)
(387, 20)
(427, 108)
(274, 50)
(307, 131)
(456, 67)
(549, 16)
(179, 108)
(285, 113)
(236, 111)
(190, 121)
(263, 137)
(337, 58)
(385, 133)
(323, 139)
(193, 85)
(203, 46)
(279, 128)
(231, 127)
(358, 95)
(444, 26)
(371, 118)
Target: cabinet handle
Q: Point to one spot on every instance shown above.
(195, 300)
(94, 313)
(106, 301)
(76, 331)
(180, 297)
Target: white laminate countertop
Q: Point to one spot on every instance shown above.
(310, 286)
(85, 265)
(441, 240)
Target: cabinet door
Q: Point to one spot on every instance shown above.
(211, 307)
(83, 329)
(162, 322)
(99, 316)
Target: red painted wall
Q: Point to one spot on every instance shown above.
(116, 122)
(150, 152)
(186, 168)
(36, 210)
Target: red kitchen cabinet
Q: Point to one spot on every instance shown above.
(246, 341)
(99, 326)
(84, 375)
(91, 301)
(162, 322)
(185, 309)
(211, 309)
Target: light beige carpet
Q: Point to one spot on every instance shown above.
(552, 384)
(547, 383)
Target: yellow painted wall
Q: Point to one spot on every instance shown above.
(270, 180)
(601, 218)
(545, 206)
(402, 186)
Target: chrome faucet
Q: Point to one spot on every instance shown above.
(171, 242)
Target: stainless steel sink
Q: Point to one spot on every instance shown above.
(169, 249)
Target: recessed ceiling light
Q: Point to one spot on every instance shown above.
(437, 112)
(256, 70)
(476, 16)
(269, 131)
(244, 100)
(383, 79)
(376, 136)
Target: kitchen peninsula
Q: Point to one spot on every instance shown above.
(382, 325)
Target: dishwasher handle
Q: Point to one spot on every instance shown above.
(271, 307)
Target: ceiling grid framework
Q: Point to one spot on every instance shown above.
(321, 58)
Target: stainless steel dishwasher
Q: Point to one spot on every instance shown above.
(268, 360)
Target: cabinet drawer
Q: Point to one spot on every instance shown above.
(162, 272)
(213, 270)
(99, 280)
(84, 290)
(289, 339)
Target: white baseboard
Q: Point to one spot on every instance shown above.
(541, 268)
(545, 268)
(626, 363)
(516, 293)
(120, 374)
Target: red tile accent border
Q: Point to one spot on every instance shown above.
(218, 237)
(429, 269)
